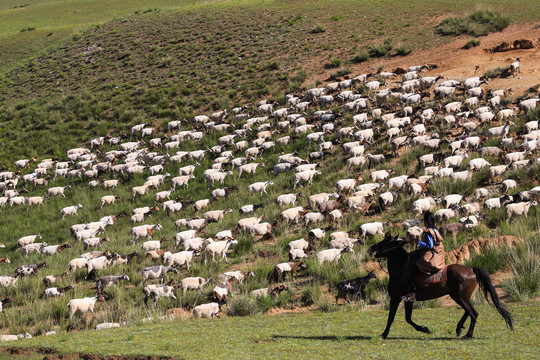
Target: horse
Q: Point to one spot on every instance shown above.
(460, 284)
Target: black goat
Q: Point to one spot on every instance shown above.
(354, 286)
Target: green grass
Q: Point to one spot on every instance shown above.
(472, 43)
(381, 49)
(338, 335)
(478, 23)
(496, 72)
(155, 66)
(360, 57)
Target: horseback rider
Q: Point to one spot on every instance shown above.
(428, 259)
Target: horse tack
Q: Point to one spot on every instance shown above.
(439, 277)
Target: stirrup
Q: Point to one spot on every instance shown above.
(410, 297)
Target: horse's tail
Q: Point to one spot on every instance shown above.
(487, 287)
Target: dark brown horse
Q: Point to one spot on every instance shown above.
(460, 284)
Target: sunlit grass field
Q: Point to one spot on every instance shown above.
(340, 335)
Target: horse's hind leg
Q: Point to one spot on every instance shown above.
(408, 318)
(469, 311)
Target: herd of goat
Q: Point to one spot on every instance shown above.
(421, 111)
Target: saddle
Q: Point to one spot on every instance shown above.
(437, 277)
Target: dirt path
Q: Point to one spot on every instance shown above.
(454, 62)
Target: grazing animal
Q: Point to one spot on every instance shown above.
(105, 281)
(56, 291)
(31, 269)
(206, 310)
(157, 272)
(83, 305)
(354, 286)
(51, 279)
(289, 267)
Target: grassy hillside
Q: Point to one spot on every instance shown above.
(166, 65)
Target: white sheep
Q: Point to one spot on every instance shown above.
(292, 214)
(454, 161)
(31, 248)
(357, 161)
(109, 199)
(422, 205)
(218, 248)
(78, 263)
(461, 175)
(343, 242)
(144, 231)
(305, 177)
(94, 242)
(181, 180)
(286, 199)
(497, 170)
(82, 305)
(59, 190)
(29, 239)
(259, 187)
(331, 254)
(87, 233)
(371, 229)
(179, 258)
(193, 283)
(8, 280)
(217, 176)
(521, 208)
(206, 310)
(70, 210)
(478, 164)
(346, 184)
(201, 204)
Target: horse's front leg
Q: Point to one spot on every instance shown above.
(394, 303)
(408, 318)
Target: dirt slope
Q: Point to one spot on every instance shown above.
(454, 62)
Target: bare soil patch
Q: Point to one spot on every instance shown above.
(454, 62)
(50, 354)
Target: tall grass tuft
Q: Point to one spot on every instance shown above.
(525, 264)
(478, 23)
(496, 72)
(381, 49)
(242, 305)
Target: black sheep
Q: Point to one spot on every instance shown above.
(354, 286)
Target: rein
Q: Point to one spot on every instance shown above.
(387, 250)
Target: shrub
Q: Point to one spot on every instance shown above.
(489, 260)
(272, 65)
(334, 63)
(326, 304)
(242, 305)
(311, 294)
(340, 73)
(379, 50)
(478, 23)
(472, 43)
(496, 72)
(402, 50)
(318, 29)
(360, 57)
(525, 264)
(336, 18)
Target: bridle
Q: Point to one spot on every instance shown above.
(379, 259)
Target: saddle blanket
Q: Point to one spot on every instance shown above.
(436, 278)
